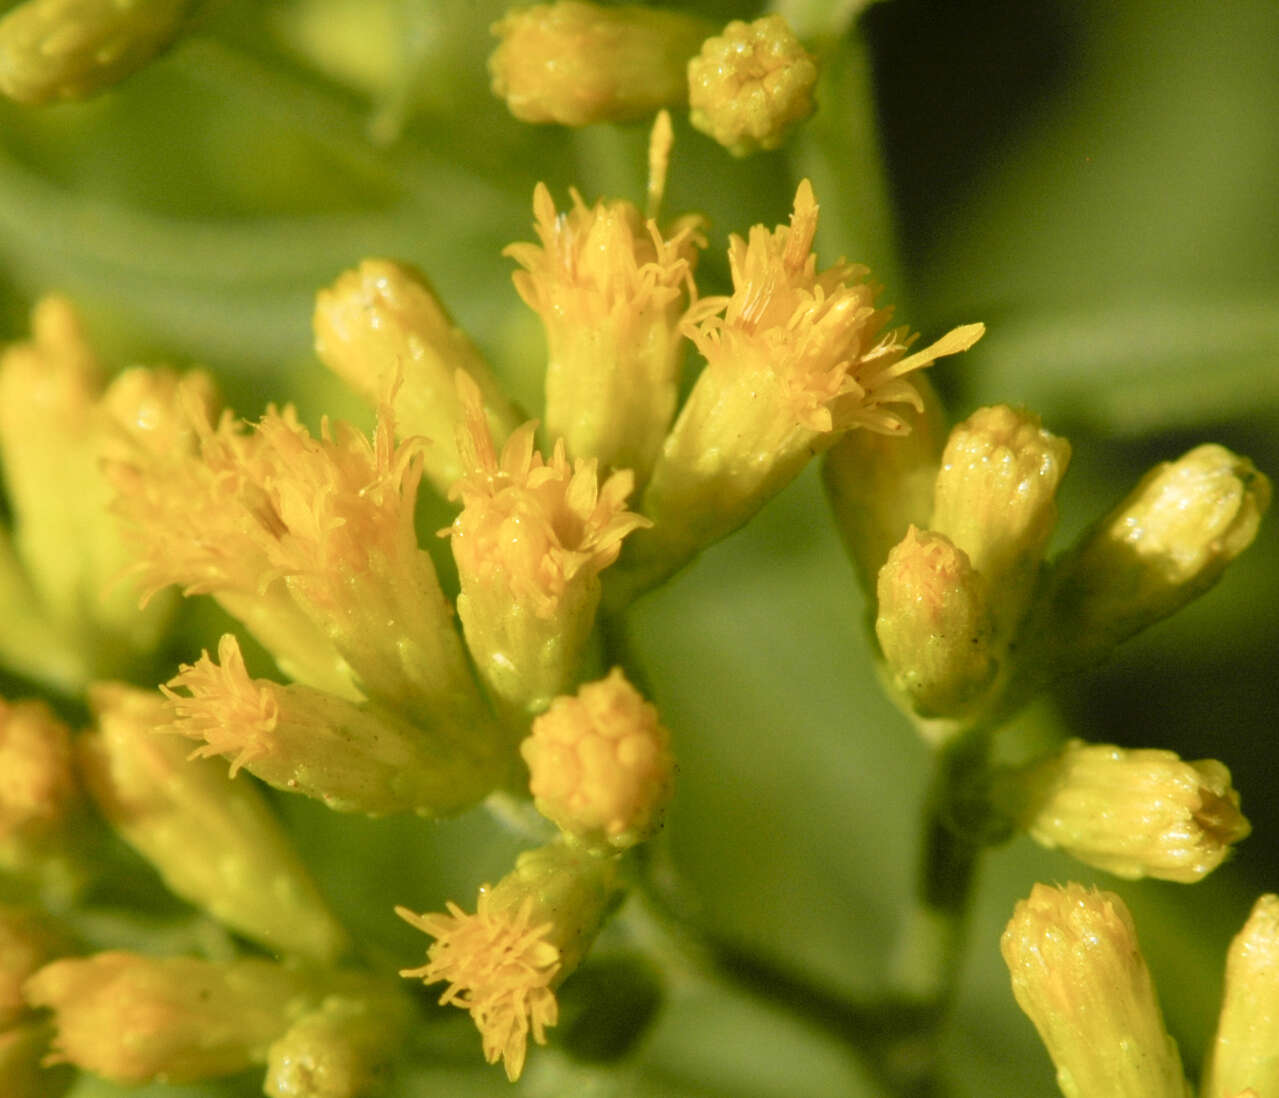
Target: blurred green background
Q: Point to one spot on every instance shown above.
(1096, 181)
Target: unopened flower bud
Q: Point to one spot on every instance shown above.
(73, 49)
(353, 758)
(215, 842)
(1167, 543)
(382, 329)
(37, 781)
(576, 63)
(751, 84)
(1245, 1052)
(995, 498)
(136, 1019)
(600, 764)
(1133, 813)
(1078, 973)
(880, 485)
(528, 933)
(342, 1049)
(933, 624)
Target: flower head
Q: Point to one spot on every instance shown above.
(611, 289)
(532, 525)
(499, 966)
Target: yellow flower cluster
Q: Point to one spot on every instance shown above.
(1078, 973)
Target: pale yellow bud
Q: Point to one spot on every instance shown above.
(1078, 973)
(353, 758)
(383, 330)
(611, 289)
(1138, 813)
(530, 541)
(28, 940)
(215, 842)
(136, 1019)
(37, 780)
(576, 63)
(995, 498)
(1167, 543)
(73, 49)
(751, 84)
(342, 1049)
(600, 764)
(933, 624)
(1245, 1052)
(880, 485)
(528, 933)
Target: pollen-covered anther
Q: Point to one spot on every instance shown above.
(499, 966)
(600, 764)
(751, 84)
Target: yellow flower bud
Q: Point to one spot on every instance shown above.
(215, 843)
(528, 933)
(794, 358)
(1167, 543)
(610, 288)
(1078, 973)
(353, 758)
(73, 49)
(600, 764)
(135, 1019)
(996, 499)
(22, 1053)
(881, 485)
(1245, 1051)
(28, 940)
(1138, 813)
(934, 624)
(576, 63)
(37, 779)
(751, 84)
(383, 330)
(342, 1049)
(531, 539)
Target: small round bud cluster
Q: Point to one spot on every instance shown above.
(600, 764)
(751, 84)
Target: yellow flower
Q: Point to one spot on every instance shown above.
(794, 357)
(530, 541)
(527, 934)
(1078, 973)
(610, 288)
(353, 758)
(383, 330)
(576, 63)
(1133, 813)
(498, 967)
